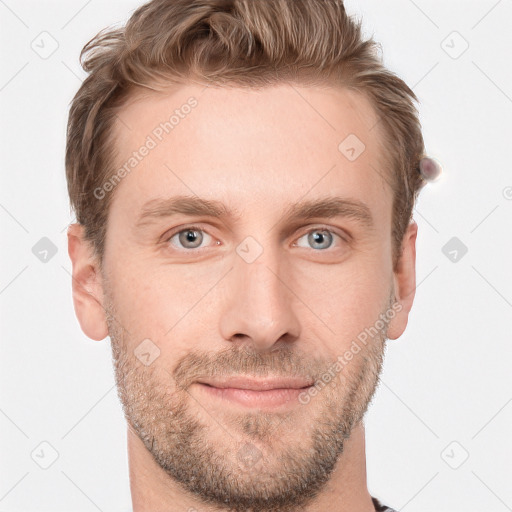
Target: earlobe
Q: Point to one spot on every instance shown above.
(405, 283)
(86, 285)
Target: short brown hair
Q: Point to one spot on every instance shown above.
(253, 43)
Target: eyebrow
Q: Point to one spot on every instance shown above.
(327, 207)
(185, 205)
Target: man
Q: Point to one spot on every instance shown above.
(243, 174)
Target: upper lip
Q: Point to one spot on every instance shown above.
(258, 384)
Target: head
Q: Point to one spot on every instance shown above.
(243, 175)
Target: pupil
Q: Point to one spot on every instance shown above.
(320, 238)
(190, 238)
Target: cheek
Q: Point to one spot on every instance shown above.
(346, 298)
(179, 305)
(157, 301)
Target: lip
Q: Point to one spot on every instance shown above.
(268, 393)
(261, 384)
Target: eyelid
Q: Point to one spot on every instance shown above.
(166, 238)
(345, 236)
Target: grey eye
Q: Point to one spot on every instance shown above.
(318, 239)
(190, 238)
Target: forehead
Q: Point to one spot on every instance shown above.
(248, 147)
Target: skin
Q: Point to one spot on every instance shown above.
(293, 310)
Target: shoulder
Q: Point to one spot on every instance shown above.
(379, 507)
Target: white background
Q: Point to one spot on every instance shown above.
(446, 390)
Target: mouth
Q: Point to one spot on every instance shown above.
(267, 393)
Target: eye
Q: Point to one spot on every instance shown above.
(318, 239)
(189, 238)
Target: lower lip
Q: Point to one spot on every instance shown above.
(270, 398)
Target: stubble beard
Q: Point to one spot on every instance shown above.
(251, 469)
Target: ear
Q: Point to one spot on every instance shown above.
(87, 285)
(405, 283)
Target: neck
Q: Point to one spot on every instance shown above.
(154, 490)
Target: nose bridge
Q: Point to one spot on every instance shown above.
(259, 305)
(265, 290)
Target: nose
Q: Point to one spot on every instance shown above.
(259, 306)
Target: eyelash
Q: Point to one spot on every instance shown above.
(168, 238)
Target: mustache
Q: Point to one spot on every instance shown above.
(281, 362)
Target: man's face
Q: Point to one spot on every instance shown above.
(261, 291)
